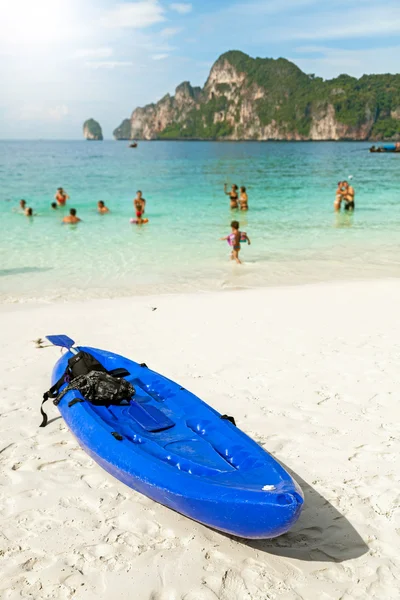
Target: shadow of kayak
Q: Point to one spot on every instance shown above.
(322, 533)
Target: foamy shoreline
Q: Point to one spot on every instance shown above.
(311, 372)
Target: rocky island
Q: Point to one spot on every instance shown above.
(92, 130)
(248, 98)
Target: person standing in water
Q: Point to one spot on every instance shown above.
(61, 197)
(71, 218)
(233, 195)
(234, 239)
(140, 204)
(348, 196)
(102, 208)
(22, 205)
(339, 197)
(244, 199)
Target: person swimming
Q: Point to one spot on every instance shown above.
(244, 199)
(22, 205)
(233, 195)
(140, 204)
(102, 208)
(71, 218)
(234, 239)
(61, 197)
(54, 205)
(28, 212)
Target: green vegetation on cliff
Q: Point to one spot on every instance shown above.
(123, 132)
(92, 130)
(282, 99)
(199, 124)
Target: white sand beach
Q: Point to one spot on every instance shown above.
(310, 372)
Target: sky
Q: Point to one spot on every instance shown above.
(64, 61)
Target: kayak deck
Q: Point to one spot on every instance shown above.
(198, 464)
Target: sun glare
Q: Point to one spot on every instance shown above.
(36, 22)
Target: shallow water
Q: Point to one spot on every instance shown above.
(295, 235)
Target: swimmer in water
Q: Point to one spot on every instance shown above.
(234, 240)
(233, 195)
(61, 197)
(244, 199)
(140, 204)
(22, 205)
(102, 208)
(71, 218)
(54, 205)
(29, 212)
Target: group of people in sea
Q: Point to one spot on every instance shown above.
(234, 239)
(237, 201)
(61, 198)
(345, 193)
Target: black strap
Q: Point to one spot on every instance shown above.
(119, 372)
(228, 418)
(55, 389)
(52, 393)
(44, 420)
(75, 401)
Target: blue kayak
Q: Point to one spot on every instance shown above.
(172, 447)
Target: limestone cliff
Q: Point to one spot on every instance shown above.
(92, 130)
(266, 99)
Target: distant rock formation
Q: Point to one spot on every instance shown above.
(248, 98)
(123, 132)
(92, 130)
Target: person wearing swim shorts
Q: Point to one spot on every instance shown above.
(61, 197)
(234, 240)
(348, 196)
(140, 204)
(244, 199)
(102, 208)
(233, 195)
(71, 218)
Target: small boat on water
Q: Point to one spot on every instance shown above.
(386, 148)
(133, 145)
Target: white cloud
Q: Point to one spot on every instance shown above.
(107, 64)
(93, 53)
(269, 6)
(183, 8)
(331, 62)
(170, 31)
(39, 113)
(159, 56)
(367, 22)
(135, 15)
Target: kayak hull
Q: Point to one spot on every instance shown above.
(202, 467)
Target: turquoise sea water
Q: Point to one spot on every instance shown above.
(296, 237)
